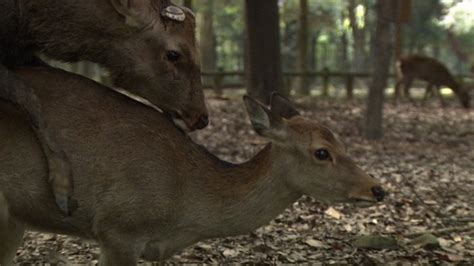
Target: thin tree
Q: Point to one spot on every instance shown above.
(303, 33)
(344, 45)
(207, 42)
(401, 17)
(359, 36)
(264, 72)
(381, 63)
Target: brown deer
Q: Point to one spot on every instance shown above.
(149, 47)
(147, 190)
(430, 70)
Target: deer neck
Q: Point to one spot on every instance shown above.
(247, 196)
(79, 35)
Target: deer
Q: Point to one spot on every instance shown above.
(148, 46)
(145, 189)
(434, 72)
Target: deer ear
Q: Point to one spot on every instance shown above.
(265, 122)
(282, 106)
(137, 13)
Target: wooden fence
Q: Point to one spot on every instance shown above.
(217, 79)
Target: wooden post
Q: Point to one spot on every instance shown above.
(325, 82)
(350, 86)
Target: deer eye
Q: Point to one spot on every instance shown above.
(173, 56)
(322, 155)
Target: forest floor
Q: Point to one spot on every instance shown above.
(425, 162)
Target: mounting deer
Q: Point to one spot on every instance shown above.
(144, 188)
(148, 46)
(430, 70)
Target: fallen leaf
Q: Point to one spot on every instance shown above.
(315, 243)
(333, 213)
(376, 242)
(455, 258)
(230, 253)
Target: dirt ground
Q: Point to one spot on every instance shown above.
(425, 162)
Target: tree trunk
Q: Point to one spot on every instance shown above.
(264, 73)
(323, 55)
(343, 52)
(344, 61)
(381, 63)
(303, 84)
(398, 45)
(457, 48)
(207, 37)
(402, 16)
(314, 51)
(207, 40)
(358, 34)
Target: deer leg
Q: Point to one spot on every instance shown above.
(11, 237)
(406, 88)
(396, 93)
(428, 92)
(60, 174)
(437, 90)
(118, 253)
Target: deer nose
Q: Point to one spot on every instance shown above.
(378, 193)
(202, 122)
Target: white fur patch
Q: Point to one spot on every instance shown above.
(137, 98)
(178, 122)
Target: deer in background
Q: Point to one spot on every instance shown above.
(432, 71)
(145, 189)
(148, 47)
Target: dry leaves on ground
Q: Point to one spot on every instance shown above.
(425, 162)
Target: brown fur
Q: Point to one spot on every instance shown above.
(133, 39)
(430, 70)
(144, 188)
(93, 30)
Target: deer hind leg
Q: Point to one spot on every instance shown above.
(406, 89)
(437, 90)
(118, 249)
(397, 92)
(111, 256)
(428, 92)
(16, 91)
(11, 235)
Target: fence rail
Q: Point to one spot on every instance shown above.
(216, 79)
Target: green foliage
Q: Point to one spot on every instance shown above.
(459, 16)
(424, 28)
(330, 31)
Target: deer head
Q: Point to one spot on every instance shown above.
(317, 160)
(157, 58)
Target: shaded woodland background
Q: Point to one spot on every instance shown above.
(338, 35)
(325, 48)
(335, 59)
